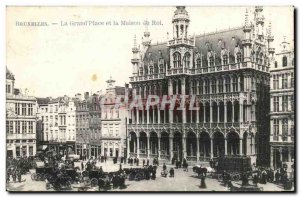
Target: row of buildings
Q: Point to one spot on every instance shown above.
(73, 125)
(244, 91)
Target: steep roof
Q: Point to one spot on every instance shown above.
(43, 101)
(228, 39)
(9, 74)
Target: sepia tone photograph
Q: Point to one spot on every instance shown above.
(150, 99)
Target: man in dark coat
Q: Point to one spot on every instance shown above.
(202, 184)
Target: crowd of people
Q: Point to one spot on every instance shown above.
(18, 167)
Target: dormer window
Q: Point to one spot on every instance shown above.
(211, 61)
(284, 61)
(151, 70)
(225, 59)
(177, 60)
(186, 60)
(198, 62)
(161, 68)
(238, 57)
(141, 71)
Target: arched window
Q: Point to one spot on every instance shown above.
(155, 68)
(186, 60)
(225, 59)
(234, 84)
(220, 85)
(213, 86)
(238, 57)
(211, 61)
(227, 84)
(261, 58)
(151, 70)
(206, 86)
(141, 71)
(177, 60)
(284, 61)
(200, 87)
(161, 68)
(198, 62)
(194, 86)
(276, 64)
(257, 57)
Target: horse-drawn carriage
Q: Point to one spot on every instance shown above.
(59, 181)
(43, 173)
(233, 166)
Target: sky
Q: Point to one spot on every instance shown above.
(59, 60)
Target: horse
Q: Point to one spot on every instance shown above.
(200, 171)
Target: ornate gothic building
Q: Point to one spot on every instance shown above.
(227, 71)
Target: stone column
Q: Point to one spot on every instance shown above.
(171, 116)
(204, 113)
(211, 112)
(159, 152)
(183, 86)
(280, 153)
(271, 158)
(225, 146)
(128, 148)
(138, 146)
(171, 147)
(148, 146)
(143, 116)
(184, 115)
(184, 146)
(158, 114)
(225, 112)
(211, 148)
(232, 112)
(147, 111)
(198, 151)
(137, 116)
(218, 113)
(241, 146)
(289, 154)
(241, 113)
(197, 114)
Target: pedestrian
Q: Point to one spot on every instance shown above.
(19, 174)
(143, 162)
(277, 176)
(8, 172)
(202, 184)
(172, 172)
(134, 161)
(164, 167)
(14, 175)
(147, 162)
(255, 180)
(137, 161)
(82, 166)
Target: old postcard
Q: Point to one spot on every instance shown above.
(156, 99)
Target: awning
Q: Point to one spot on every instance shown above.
(42, 147)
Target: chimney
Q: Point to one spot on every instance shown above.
(78, 96)
(86, 95)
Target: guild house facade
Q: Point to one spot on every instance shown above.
(228, 73)
(20, 121)
(282, 112)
